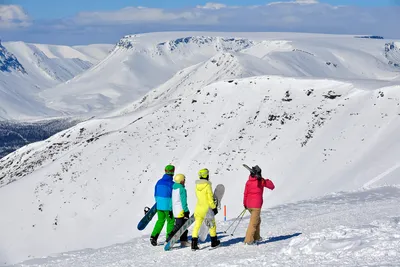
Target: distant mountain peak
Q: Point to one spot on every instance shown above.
(220, 43)
(126, 42)
(8, 62)
(392, 53)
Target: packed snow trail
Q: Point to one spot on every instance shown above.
(343, 229)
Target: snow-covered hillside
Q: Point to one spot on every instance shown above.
(30, 68)
(87, 185)
(358, 228)
(142, 62)
(392, 53)
(61, 77)
(319, 113)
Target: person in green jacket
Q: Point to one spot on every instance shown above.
(180, 208)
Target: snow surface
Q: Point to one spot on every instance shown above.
(344, 229)
(320, 114)
(44, 66)
(87, 186)
(142, 62)
(61, 79)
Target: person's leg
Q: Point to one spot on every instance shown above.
(257, 216)
(198, 220)
(213, 229)
(157, 227)
(170, 222)
(251, 229)
(184, 236)
(195, 233)
(176, 228)
(213, 235)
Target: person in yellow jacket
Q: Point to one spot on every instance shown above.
(205, 201)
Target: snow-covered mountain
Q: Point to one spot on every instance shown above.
(327, 120)
(87, 185)
(9, 62)
(27, 69)
(138, 64)
(141, 62)
(392, 53)
(60, 77)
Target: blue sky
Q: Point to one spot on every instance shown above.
(76, 22)
(47, 9)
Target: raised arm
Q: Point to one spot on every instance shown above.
(269, 184)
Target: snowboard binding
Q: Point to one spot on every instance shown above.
(146, 210)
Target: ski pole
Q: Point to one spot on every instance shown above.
(240, 215)
(238, 222)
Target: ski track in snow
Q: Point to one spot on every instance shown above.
(343, 229)
(382, 175)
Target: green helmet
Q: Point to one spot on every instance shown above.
(170, 169)
(203, 174)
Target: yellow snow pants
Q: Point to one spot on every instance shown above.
(197, 224)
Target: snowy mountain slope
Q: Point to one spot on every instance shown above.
(8, 62)
(358, 228)
(54, 63)
(392, 53)
(133, 69)
(40, 67)
(17, 89)
(142, 62)
(95, 52)
(324, 57)
(87, 185)
(222, 66)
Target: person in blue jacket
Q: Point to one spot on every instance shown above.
(163, 196)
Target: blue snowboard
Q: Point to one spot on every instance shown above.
(147, 218)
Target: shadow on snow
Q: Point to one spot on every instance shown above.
(237, 240)
(278, 238)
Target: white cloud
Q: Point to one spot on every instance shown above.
(144, 15)
(293, 16)
(301, 2)
(307, 1)
(12, 16)
(213, 6)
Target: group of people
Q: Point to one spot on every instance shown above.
(171, 200)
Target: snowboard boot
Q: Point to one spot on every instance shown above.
(194, 244)
(215, 242)
(153, 240)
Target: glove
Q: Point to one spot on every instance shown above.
(171, 214)
(215, 211)
(186, 215)
(245, 207)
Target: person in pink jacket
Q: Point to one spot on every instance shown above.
(253, 201)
